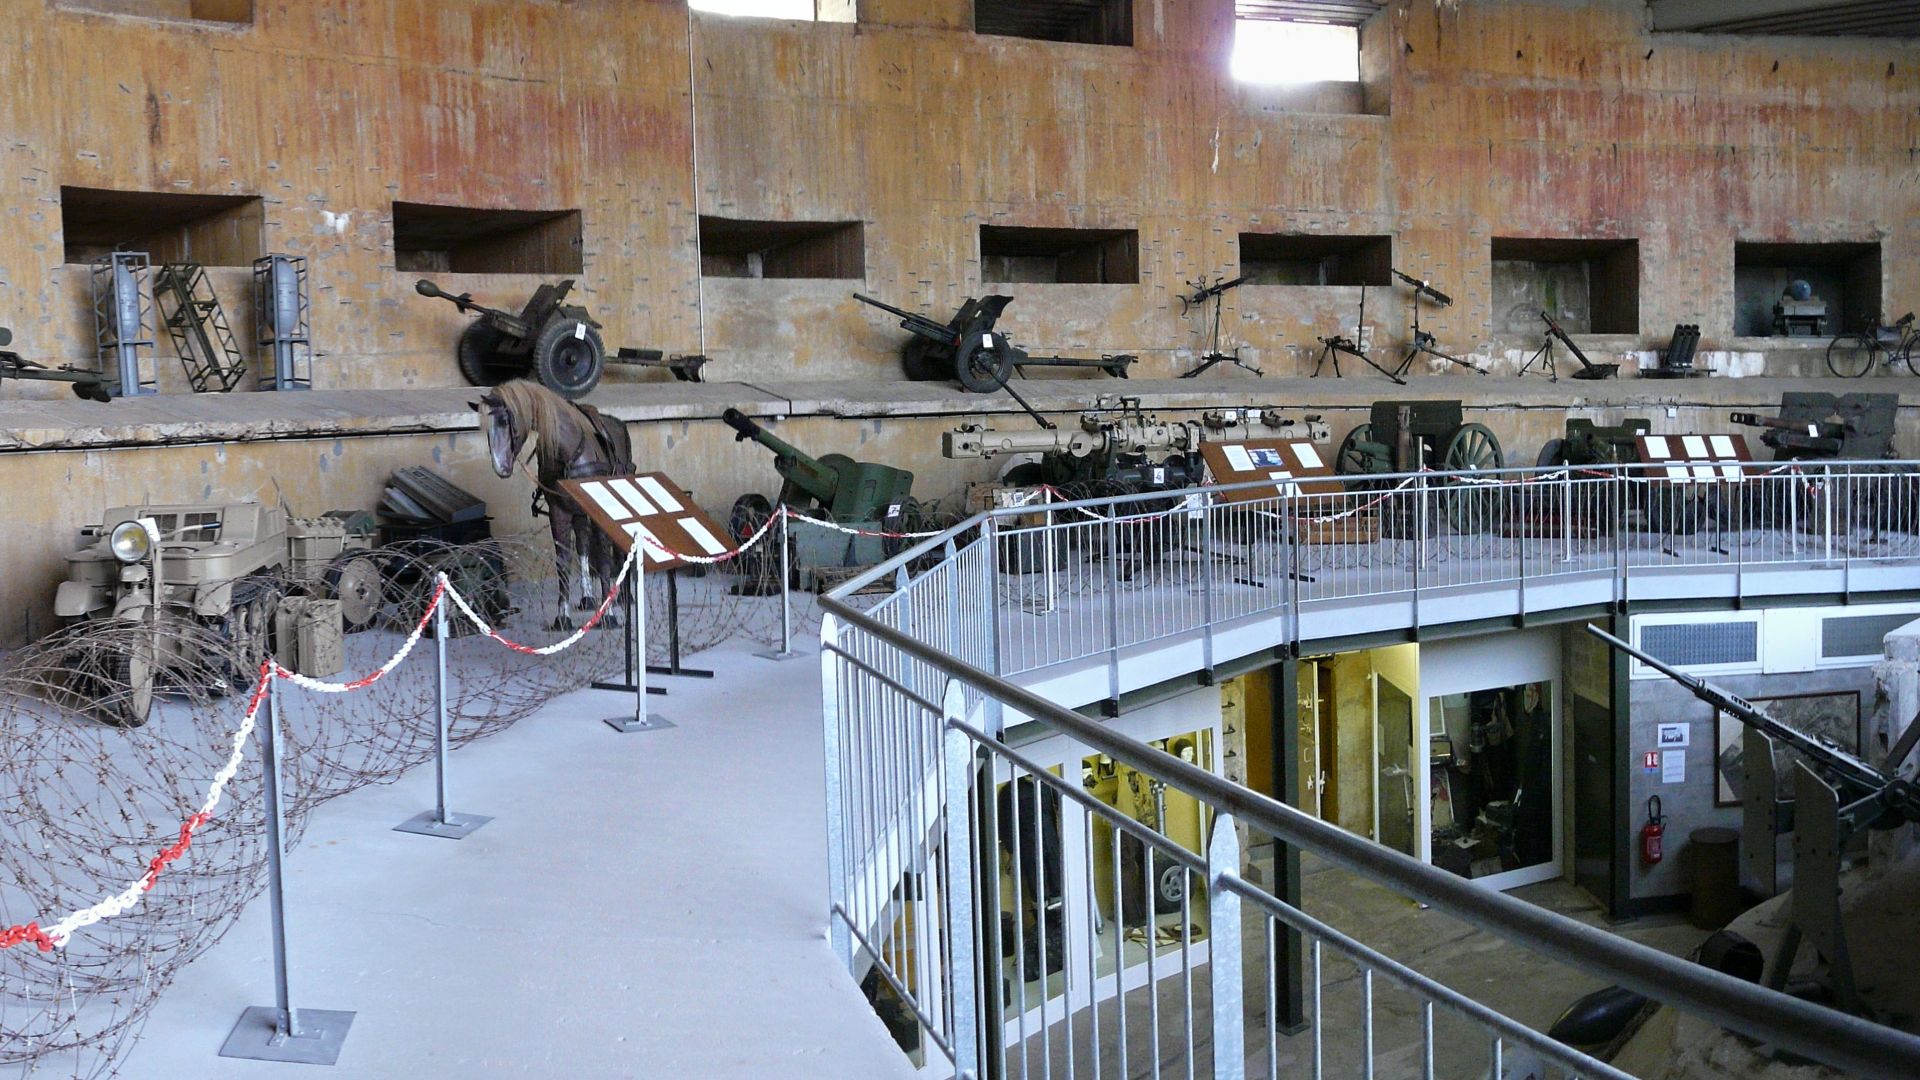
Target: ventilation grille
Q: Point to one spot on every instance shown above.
(1703, 644)
(1858, 635)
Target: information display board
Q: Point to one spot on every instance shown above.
(628, 508)
(1296, 467)
(1694, 459)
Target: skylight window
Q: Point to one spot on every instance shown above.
(1265, 51)
(765, 9)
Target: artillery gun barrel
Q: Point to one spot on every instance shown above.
(795, 467)
(1837, 764)
(463, 301)
(1814, 431)
(974, 442)
(917, 323)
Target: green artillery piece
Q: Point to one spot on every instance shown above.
(1588, 443)
(1410, 436)
(552, 341)
(855, 494)
(86, 384)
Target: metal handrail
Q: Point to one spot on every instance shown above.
(1771, 1017)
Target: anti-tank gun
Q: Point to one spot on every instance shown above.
(1836, 797)
(968, 349)
(857, 495)
(86, 384)
(1812, 425)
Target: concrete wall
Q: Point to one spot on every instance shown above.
(1534, 118)
(1689, 805)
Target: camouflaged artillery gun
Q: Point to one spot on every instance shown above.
(552, 341)
(245, 573)
(857, 495)
(87, 385)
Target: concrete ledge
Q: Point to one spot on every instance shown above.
(208, 418)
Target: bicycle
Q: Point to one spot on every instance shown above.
(1853, 354)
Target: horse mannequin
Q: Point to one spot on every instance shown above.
(574, 441)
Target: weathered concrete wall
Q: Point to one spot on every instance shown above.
(1533, 118)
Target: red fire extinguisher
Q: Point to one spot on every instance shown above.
(1650, 843)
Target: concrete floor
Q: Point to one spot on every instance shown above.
(645, 905)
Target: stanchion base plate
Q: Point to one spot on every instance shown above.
(780, 654)
(456, 827)
(627, 724)
(257, 1037)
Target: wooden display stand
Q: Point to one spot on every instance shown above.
(634, 510)
(1298, 468)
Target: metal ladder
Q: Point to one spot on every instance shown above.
(199, 328)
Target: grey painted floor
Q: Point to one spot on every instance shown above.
(646, 905)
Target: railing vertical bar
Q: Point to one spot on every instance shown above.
(1366, 1024)
(1224, 957)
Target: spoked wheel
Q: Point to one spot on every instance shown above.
(1473, 507)
(1852, 355)
(568, 357)
(1348, 460)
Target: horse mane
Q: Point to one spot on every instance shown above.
(546, 413)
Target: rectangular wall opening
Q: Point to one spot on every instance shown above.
(1089, 22)
(1588, 286)
(797, 10)
(1301, 259)
(1843, 287)
(226, 11)
(731, 247)
(170, 226)
(1012, 253)
(468, 240)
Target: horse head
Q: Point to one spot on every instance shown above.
(504, 437)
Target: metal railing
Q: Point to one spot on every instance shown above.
(1032, 929)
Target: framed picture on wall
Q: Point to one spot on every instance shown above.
(1832, 715)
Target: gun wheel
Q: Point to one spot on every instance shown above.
(354, 579)
(1474, 507)
(921, 362)
(983, 370)
(478, 354)
(568, 357)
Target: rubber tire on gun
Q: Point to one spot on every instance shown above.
(568, 357)
(478, 354)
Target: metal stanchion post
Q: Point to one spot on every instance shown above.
(641, 720)
(786, 651)
(279, 1032)
(438, 821)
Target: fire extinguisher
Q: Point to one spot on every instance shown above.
(1651, 847)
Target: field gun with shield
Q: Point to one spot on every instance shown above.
(1837, 796)
(552, 341)
(967, 348)
(86, 384)
(1821, 426)
(857, 495)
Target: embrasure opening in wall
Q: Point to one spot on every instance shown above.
(732, 247)
(1012, 253)
(1805, 290)
(1301, 259)
(1089, 22)
(469, 240)
(170, 226)
(1588, 286)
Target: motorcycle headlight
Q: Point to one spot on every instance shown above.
(129, 542)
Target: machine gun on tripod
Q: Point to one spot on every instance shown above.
(1202, 292)
(86, 384)
(1332, 347)
(1544, 355)
(1424, 342)
(1836, 797)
